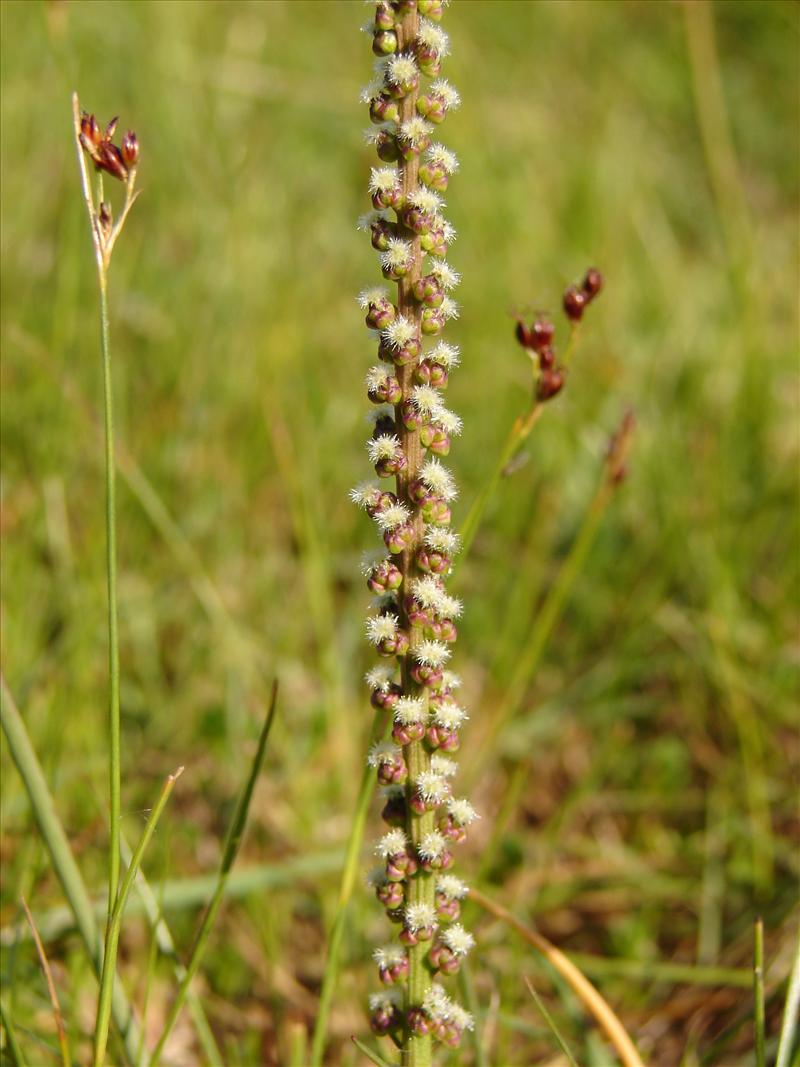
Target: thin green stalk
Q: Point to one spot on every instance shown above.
(548, 1018)
(758, 992)
(517, 436)
(350, 871)
(162, 938)
(61, 857)
(115, 923)
(372, 1056)
(233, 842)
(113, 623)
(791, 1012)
(12, 1042)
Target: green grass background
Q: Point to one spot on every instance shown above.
(658, 818)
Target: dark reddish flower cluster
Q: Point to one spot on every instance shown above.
(537, 337)
(116, 160)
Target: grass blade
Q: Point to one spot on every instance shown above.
(12, 1043)
(580, 985)
(61, 857)
(349, 874)
(154, 910)
(115, 922)
(232, 843)
(791, 1013)
(373, 1057)
(548, 1018)
(63, 1044)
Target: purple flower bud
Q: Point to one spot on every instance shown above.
(399, 539)
(391, 894)
(412, 417)
(385, 700)
(430, 677)
(386, 146)
(383, 108)
(380, 313)
(431, 9)
(384, 42)
(384, 16)
(434, 176)
(417, 1021)
(405, 733)
(428, 290)
(433, 320)
(394, 811)
(432, 562)
(434, 438)
(384, 577)
(388, 466)
(435, 512)
(432, 108)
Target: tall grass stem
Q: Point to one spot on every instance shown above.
(233, 841)
(115, 922)
(64, 865)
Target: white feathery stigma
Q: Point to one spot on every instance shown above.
(448, 421)
(442, 270)
(428, 591)
(433, 37)
(432, 845)
(399, 332)
(381, 628)
(443, 766)
(446, 355)
(415, 131)
(451, 680)
(385, 1000)
(432, 787)
(431, 653)
(460, 1017)
(383, 179)
(364, 494)
(440, 539)
(436, 477)
(401, 68)
(386, 446)
(426, 200)
(426, 400)
(383, 752)
(380, 678)
(393, 516)
(447, 885)
(409, 710)
(365, 222)
(374, 295)
(419, 917)
(462, 812)
(436, 1004)
(377, 376)
(397, 255)
(392, 844)
(449, 715)
(446, 93)
(450, 607)
(457, 939)
(442, 157)
(390, 955)
(449, 308)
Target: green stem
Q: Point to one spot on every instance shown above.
(12, 1042)
(61, 857)
(115, 923)
(113, 630)
(791, 1012)
(758, 992)
(232, 843)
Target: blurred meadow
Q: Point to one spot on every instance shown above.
(639, 798)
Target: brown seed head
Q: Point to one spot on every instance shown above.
(575, 301)
(592, 283)
(130, 149)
